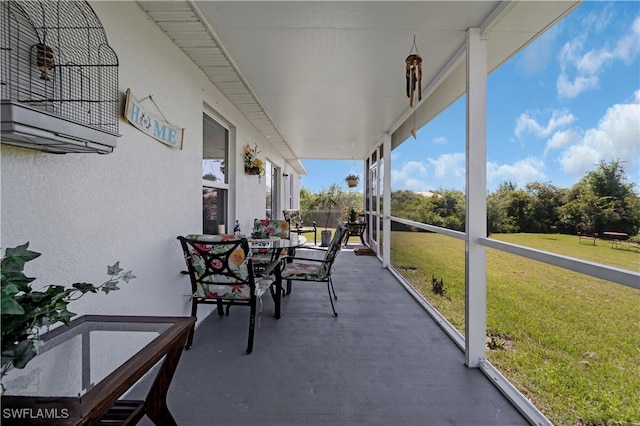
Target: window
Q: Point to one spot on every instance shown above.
(215, 181)
(271, 176)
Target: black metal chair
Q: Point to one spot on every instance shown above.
(316, 270)
(222, 274)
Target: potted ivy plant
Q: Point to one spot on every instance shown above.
(25, 311)
(352, 180)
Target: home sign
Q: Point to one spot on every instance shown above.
(140, 117)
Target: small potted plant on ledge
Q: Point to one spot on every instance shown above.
(352, 180)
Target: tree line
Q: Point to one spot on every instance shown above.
(600, 200)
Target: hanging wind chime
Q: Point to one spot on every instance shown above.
(414, 78)
(414, 73)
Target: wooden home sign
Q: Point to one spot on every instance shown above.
(140, 117)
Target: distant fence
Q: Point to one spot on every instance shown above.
(336, 217)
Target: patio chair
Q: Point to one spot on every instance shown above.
(221, 274)
(316, 270)
(266, 228)
(295, 223)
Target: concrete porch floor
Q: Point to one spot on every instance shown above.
(382, 361)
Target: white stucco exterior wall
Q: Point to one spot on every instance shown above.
(86, 211)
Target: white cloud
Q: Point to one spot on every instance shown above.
(579, 71)
(599, 19)
(450, 166)
(616, 137)
(412, 176)
(561, 139)
(440, 140)
(521, 172)
(571, 89)
(536, 56)
(446, 171)
(415, 185)
(527, 124)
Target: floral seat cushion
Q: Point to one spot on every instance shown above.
(305, 271)
(232, 284)
(233, 291)
(264, 228)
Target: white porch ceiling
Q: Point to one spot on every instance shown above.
(326, 80)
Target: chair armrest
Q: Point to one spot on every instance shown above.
(272, 266)
(308, 259)
(316, 248)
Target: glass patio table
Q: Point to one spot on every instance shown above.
(82, 370)
(266, 251)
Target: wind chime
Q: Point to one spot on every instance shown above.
(414, 73)
(414, 79)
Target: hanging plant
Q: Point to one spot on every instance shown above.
(252, 164)
(352, 180)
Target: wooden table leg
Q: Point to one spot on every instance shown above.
(156, 402)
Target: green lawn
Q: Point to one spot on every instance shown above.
(568, 342)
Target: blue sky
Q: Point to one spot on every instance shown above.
(568, 101)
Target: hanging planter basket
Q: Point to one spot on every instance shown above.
(252, 164)
(352, 180)
(252, 170)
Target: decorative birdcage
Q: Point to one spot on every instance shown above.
(59, 78)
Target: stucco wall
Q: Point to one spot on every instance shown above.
(85, 211)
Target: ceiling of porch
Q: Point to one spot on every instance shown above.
(326, 80)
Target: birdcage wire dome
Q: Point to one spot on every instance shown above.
(55, 58)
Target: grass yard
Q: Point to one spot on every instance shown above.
(569, 342)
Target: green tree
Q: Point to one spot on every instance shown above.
(330, 205)
(500, 210)
(602, 199)
(545, 202)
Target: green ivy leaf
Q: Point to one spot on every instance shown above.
(10, 306)
(15, 258)
(23, 353)
(65, 316)
(110, 286)
(85, 287)
(127, 276)
(10, 290)
(114, 269)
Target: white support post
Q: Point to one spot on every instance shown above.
(476, 199)
(386, 201)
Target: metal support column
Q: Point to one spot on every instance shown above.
(476, 201)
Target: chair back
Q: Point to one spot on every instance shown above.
(333, 250)
(218, 265)
(263, 228)
(294, 218)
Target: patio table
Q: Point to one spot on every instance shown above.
(266, 251)
(82, 370)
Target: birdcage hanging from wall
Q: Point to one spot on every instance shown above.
(56, 61)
